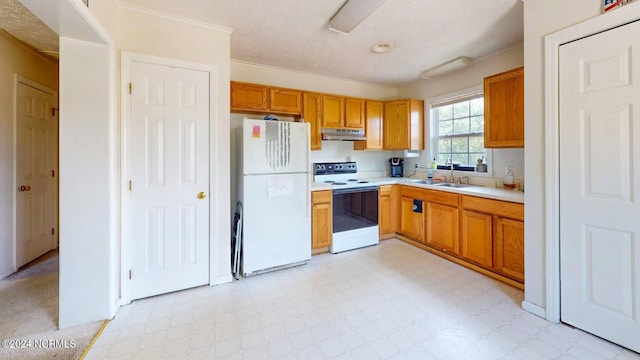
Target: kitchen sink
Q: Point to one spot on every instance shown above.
(419, 181)
(452, 185)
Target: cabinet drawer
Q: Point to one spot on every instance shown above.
(442, 197)
(385, 190)
(495, 207)
(414, 192)
(319, 197)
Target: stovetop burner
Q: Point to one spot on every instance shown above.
(342, 175)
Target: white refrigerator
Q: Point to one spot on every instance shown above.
(273, 187)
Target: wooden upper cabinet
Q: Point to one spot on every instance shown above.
(332, 111)
(403, 125)
(354, 113)
(373, 120)
(253, 98)
(285, 101)
(249, 97)
(504, 109)
(312, 113)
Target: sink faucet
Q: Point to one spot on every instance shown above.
(450, 162)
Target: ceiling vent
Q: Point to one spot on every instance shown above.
(449, 66)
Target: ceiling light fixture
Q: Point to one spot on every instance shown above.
(351, 14)
(449, 66)
(382, 47)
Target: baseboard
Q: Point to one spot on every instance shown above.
(7, 272)
(114, 308)
(534, 309)
(221, 280)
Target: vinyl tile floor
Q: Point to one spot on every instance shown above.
(391, 301)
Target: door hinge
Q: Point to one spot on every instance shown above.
(130, 185)
(53, 111)
(53, 231)
(129, 274)
(53, 173)
(129, 88)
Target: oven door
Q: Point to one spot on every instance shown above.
(355, 218)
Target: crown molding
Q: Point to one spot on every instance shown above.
(173, 17)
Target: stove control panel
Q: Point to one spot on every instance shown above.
(335, 168)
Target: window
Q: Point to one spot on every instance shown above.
(459, 130)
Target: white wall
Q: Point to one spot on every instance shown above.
(268, 75)
(171, 37)
(85, 180)
(541, 18)
(16, 58)
(469, 77)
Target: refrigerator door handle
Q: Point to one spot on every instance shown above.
(308, 196)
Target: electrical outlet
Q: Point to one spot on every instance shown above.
(416, 166)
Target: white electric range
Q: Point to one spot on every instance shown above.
(355, 206)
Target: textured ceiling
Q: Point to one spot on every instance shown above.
(26, 27)
(294, 34)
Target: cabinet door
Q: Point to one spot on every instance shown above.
(311, 113)
(285, 101)
(509, 248)
(477, 240)
(388, 209)
(332, 111)
(504, 109)
(442, 227)
(249, 97)
(373, 119)
(396, 125)
(321, 212)
(354, 113)
(411, 223)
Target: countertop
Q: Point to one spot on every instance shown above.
(473, 190)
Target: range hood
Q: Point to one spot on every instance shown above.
(343, 134)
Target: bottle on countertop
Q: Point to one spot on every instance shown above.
(508, 178)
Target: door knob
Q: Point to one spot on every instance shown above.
(202, 195)
(24, 188)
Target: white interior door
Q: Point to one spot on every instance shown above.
(169, 172)
(599, 182)
(36, 157)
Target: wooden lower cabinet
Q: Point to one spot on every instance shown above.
(484, 234)
(509, 248)
(476, 233)
(321, 212)
(411, 222)
(443, 227)
(388, 209)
